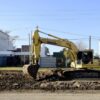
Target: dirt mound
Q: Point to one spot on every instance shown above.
(17, 81)
(14, 80)
(69, 85)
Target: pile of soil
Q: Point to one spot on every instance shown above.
(69, 85)
(15, 80)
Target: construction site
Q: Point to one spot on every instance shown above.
(49, 49)
(67, 70)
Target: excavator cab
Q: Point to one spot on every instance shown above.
(85, 56)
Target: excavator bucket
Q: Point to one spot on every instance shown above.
(31, 70)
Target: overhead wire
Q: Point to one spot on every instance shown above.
(59, 31)
(69, 33)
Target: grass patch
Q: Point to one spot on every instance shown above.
(11, 68)
(90, 66)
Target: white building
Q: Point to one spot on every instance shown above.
(5, 42)
(43, 54)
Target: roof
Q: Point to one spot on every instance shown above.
(4, 33)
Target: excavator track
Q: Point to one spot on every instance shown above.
(70, 74)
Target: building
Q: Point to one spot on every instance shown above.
(5, 42)
(6, 47)
(25, 54)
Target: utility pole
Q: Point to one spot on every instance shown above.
(29, 47)
(89, 42)
(99, 49)
(99, 53)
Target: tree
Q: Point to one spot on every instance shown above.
(81, 45)
(96, 56)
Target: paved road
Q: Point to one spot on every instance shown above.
(48, 96)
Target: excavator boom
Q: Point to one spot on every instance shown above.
(37, 41)
(36, 48)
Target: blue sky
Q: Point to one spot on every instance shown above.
(70, 19)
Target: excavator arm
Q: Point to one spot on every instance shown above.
(37, 41)
(33, 67)
(74, 53)
(62, 43)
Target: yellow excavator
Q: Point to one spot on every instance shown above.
(33, 67)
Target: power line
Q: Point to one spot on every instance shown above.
(70, 33)
(79, 39)
(58, 31)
